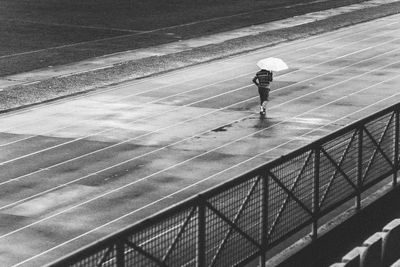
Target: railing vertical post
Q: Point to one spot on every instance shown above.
(317, 162)
(264, 218)
(359, 166)
(120, 253)
(396, 145)
(201, 233)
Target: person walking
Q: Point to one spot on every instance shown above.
(263, 79)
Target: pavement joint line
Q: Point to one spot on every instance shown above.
(202, 154)
(71, 25)
(199, 101)
(36, 135)
(238, 15)
(176, 192)
(161, 87)
(361, 6)
(30, 136)
(224, 60)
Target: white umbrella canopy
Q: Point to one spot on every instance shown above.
(272, 64)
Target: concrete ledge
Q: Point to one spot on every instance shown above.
(391, 243)
(372, 250)
(352, 259)
(368, 255)
(396, 264)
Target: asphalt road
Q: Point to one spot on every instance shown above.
(79, 169)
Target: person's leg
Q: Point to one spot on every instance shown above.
(260, 93)
(266, 99)
(264, 105)
(263, 97)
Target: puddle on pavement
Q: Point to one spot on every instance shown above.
(222, 128)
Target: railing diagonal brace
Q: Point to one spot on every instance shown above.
(339, 169)
(103, 259)
(232, 224)
(336, 171)
(283, 206)
(378, 146)
(171, 247)
(237, 216)
(145, 253)
(289, 192)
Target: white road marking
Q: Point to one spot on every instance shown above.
(71, 26)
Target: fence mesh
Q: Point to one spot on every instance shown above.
(338, 169)
(290, 195)
(230, 243)
(172, 240)
(378, 148)
(103, 257)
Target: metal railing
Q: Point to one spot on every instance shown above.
(238, 221)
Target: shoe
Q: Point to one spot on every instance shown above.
(262, 111)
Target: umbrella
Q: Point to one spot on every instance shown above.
(272, 64)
